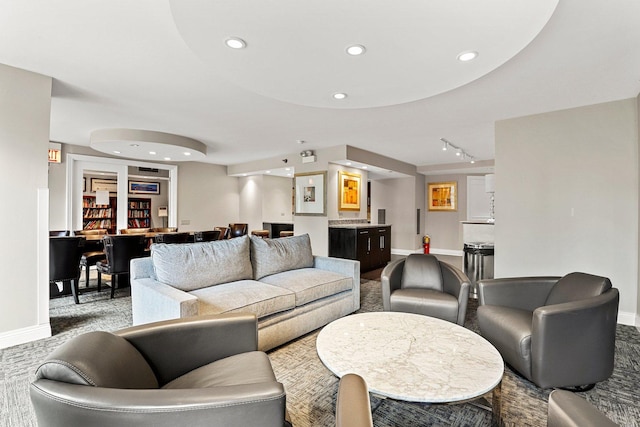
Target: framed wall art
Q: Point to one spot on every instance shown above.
(443, 196)
(143, 187)
(310, 193)
(349, 191)
(110, 185)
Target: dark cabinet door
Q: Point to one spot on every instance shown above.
(384, 245)
(363, 248)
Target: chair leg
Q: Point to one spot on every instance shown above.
(75, 289)
(113, 284)
(86, 284)
(99, 281)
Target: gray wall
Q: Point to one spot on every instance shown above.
(444, 227)
(567, 195)
(207, 197)
(25, 109)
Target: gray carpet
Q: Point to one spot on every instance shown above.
(311, 388)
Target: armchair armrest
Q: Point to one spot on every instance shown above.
(391, 279)
(175, 347)
(589, 353)
(456, 283)
(525, 293)
(234, 406)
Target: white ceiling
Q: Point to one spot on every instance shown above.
(162, 66)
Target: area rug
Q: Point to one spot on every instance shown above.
(311, 388)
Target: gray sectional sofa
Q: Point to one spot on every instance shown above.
(291, 291)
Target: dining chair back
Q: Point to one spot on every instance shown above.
(119, 251)
(64, 263)
(172, 238)
(58, 233)
(206, 236)
(224, 232)
(237, 229)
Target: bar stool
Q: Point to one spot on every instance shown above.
(285, 233)
(260, 233)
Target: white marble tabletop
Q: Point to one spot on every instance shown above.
(411, 357)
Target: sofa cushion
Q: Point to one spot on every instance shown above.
(310, 284)
(244, 296)
(577, 286)
(271, 256)
(191, 266)
(240, 369)
(99, 359)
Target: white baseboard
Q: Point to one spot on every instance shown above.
(630, 319)
(434, 251)
(21, 336)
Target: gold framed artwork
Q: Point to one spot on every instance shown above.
(443, 196)
(349, 191)
(310, 193)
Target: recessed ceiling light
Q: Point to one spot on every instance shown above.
(364, 167)
(348, 163)
(167, 158)
(268, 171)
(116, 151)
(152, 153)
(186, 153)
(467, 56)
(300, 141)
(339, 95)
(235, 43)
(356, 50)
(134, 145)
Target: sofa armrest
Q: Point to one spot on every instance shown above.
(525, 293)
(152, 301)
(344, 267)
(175, 347)
(260, 404)
(391, 279)
(141, 268)
(586, 329)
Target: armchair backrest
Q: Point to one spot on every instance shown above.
(99, 359)
(577, 286)
(422, 271)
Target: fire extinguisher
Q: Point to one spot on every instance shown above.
(426, 244)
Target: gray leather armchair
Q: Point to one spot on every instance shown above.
(421, 284)
(353, 408)
(556, 332)
(568, 410)
(201, 371)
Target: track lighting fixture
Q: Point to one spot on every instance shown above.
(459, 151)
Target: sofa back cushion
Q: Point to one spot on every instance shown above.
(271, 256)
(191, 266)
(577, 286)
(99, 359)
(422, 271)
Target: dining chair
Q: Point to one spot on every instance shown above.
(172, 237)
(206, 236)
(237, 229)
(120, 250)
(58, 233)
(64, 263)
(93, 250)
(224, 232)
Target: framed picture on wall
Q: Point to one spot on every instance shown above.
(143, 187)
(349, 191)
(110, 185)
(443, 196)
(310, 193)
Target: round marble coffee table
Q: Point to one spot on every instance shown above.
(412, 357)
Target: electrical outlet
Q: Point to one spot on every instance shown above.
(185, 221)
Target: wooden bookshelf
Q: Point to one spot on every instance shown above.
(98, 216)
(139, 213)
